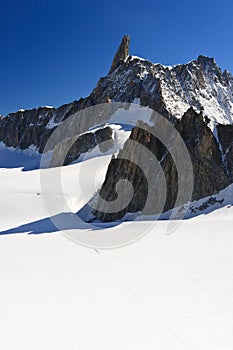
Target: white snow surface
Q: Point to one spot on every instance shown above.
(131, 116)
(48, 107)
(11, 157)
(166, 292)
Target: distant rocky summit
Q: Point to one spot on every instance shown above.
(197, 98)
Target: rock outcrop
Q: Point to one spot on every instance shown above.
(71, 149)
(122, 54)
(225, 137)
(209, 173)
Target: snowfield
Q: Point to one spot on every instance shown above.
(165, 292)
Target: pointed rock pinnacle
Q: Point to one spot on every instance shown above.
(121, 54)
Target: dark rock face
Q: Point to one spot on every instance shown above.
(121, 54)
(209, 173)
(33, 127)
(86, 142)
(208, 169)
(122, 168)
(22, 129)
(70, 149)
(225, 135)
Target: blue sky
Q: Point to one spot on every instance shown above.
(54, 51)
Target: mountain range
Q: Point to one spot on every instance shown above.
(196, 98)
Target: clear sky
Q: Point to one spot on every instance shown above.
(54, 51)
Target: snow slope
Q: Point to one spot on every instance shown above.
(166, 292)
(14, 158)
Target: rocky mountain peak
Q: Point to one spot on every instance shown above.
(208, 65)
(206, 60)
(196, 97)
(121, 54)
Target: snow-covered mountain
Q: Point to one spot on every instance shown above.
(197, 98)
(199, 83)
(168, 90)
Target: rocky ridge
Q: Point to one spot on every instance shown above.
(210, 173)
(196, 97)
(167, 90)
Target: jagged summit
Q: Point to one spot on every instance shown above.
(170, 91)
(122, 53)
(205, 59)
